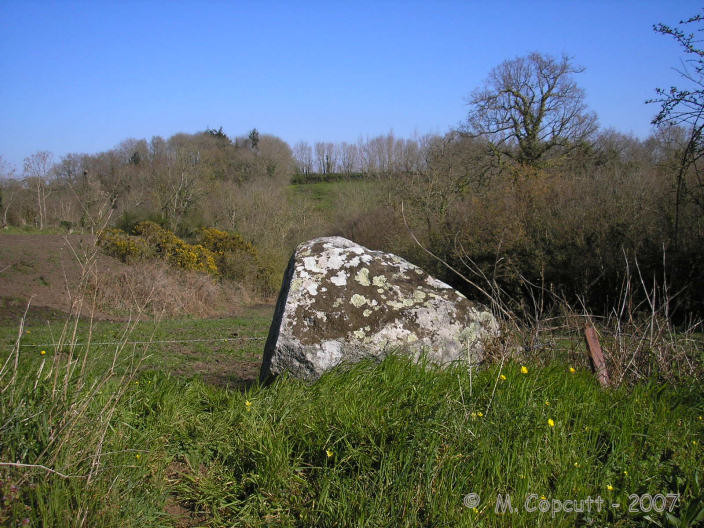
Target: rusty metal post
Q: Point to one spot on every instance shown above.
(596, 357)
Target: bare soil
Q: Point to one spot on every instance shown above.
(43, 269)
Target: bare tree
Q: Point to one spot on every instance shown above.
(36, 171)
(530, 106)
(347, 156)
(303, 154)
(684, 107)
(9, 188)
(325, 156)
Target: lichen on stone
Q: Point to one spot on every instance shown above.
(362, 277)
(381, 282)
(358, 300)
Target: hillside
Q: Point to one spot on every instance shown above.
(47, 268)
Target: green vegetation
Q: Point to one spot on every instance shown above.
(556, 224)
(376, 444)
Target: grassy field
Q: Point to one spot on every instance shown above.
(180, 434)
(326, 195)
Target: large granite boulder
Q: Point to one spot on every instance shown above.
(340, 302)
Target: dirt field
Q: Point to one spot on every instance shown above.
(45, 269)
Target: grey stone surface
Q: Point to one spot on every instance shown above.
(340, 301)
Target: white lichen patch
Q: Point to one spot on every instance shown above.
(412, 338)
(358, 300)
(311, 287)
(380, 290)
(380, 282)
(311, 264)
(340, 279)
(359, 334)
(367, 312)
(296, 284)
(338, 302)
(418, 296)
(362, 277)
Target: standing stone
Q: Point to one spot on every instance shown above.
(340, 302)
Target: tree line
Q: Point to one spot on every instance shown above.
(529, 190)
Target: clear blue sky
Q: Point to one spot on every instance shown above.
(83, 76)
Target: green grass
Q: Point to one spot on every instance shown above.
(376, 444)
(324, 195)
(174, 344)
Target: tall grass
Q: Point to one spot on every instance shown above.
(59, 408)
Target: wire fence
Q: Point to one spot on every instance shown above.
(148, 342)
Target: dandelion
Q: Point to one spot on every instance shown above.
(329, 453)
(543, 497)
(248, 404)
(475, 510)
(572, 370)
(503, 378)
(43, 352)
(551, 422)
(480, 414)
(609, 487)
(524, 369)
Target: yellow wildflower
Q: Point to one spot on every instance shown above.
(547, 402)
(551, 422)
(138, 456)
(503, 378)
(480, 414)
(43, 352)
(524, 369)
(543, 497)
(248, 404)
(609, 487)
(572, 370)
(576, 464)
(329, 453)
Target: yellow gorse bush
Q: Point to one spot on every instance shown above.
(175, 251)
(218, 252)
(120, 245)
(221, 242)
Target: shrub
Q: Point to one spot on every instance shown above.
(239, 260)
(175, 251)
(120, 245)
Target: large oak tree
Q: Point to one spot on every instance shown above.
(529, 107)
